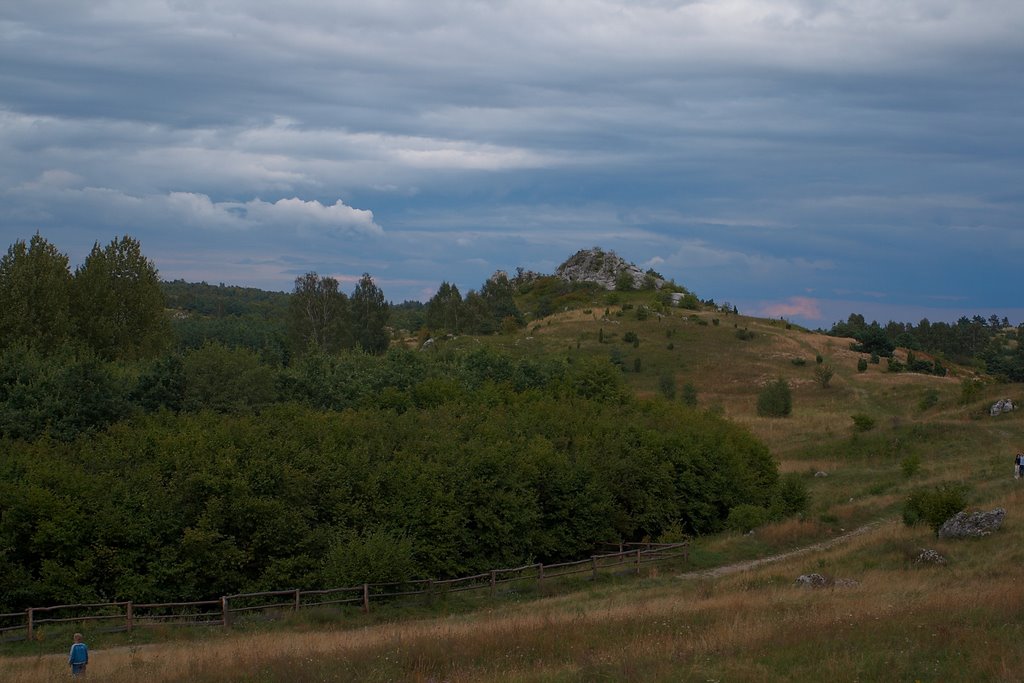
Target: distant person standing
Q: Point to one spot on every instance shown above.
(78, 659)
(1018, 466)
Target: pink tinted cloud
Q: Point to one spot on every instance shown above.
(794, 306)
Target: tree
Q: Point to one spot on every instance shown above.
(318, 315)
(823, 374)
(444, 310)
(117, 302)
(370, 316)
(775, 399)
(498, 292)
(35, 291)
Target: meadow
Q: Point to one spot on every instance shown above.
(883, 617)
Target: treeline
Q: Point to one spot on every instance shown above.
(112, 305)
(375, 468)
(990, 343)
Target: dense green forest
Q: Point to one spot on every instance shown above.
(238, 439)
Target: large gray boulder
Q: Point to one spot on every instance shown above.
(1003, 405)
(603, 268)
(973, 525)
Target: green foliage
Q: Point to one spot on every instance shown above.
(444, 310)
(35, 295)
(933, 506)
(791, 496)
(375, 556)
(929, 399)
(667, 385)
(624, 281)
(862, 364)
(799, 362)
(369, 316)
(188, 505)
(743, 334)
(862, 422)
(117, 304)
(970, 390)
(630, 337)
(637, 364)
(910, 465)
(745, 517)
(689, 395)
(318, 316)
(226, 380)
(823, 374)
(775, 399)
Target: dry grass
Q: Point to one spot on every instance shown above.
(900, 622)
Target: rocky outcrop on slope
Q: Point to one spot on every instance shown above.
(975, 524)
(605, 268)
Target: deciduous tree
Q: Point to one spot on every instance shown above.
(318, 315)
(35, 290)
(117, 302)
(370, 316)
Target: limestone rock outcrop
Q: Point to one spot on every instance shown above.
(972, 525)
(604, 268)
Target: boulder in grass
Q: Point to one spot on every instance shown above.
(929, 556)
(972, 525)
(812, 581)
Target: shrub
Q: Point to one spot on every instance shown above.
(637, 365)
(928, 399)
(630, 337)
(874, 358)
(862, 364)
(775, 399)
(667, 385)
(823, 375)
(910, 465)
(670, 346)
(818, 359)
(862, 422)
(799, 362)
(745, 517)
(791, 496)
(689, 395)
(935, 505)
(744, 334)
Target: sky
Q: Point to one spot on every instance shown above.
(805, 159)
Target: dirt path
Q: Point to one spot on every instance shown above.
(761, 561)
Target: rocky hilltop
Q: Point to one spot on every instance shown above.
(605, 268)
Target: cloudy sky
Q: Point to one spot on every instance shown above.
(798, 158)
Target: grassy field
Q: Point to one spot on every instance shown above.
(885, 619)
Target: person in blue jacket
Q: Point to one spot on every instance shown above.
(78, 659)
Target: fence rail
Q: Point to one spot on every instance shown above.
(128, 615)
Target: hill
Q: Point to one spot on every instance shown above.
(894, 620)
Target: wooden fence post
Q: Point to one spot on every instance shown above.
(638, 561)
(29, 624)
(129, 617)
(366, 597)
(494, 582)
(225, 613)
(298, 599)
(540, 572)
(430, 591)
(593, 568)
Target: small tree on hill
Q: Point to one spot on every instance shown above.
(775, 399)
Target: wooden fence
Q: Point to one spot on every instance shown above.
(125, 616)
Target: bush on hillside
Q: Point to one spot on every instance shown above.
(935, 505)
(775, 399)
(745, 517)
(862, 422)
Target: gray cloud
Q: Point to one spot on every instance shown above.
(754, 144)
